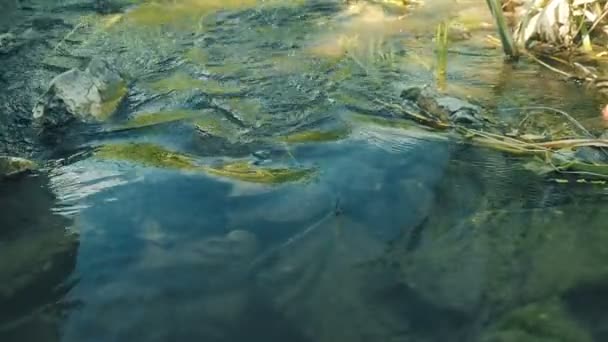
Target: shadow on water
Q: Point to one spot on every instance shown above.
(38, 256)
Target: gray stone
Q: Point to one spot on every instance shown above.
(92, 95)
(12, 166)
(444, 107)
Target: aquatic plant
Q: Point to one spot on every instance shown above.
(316, 136)
(156, 118)
(111, 99)
(147, 154)
(441, 49)
(156, 156)
(246, 172)
(10, 166)
(185, 13)
(504, 32)
(181, 81)
(542, 321)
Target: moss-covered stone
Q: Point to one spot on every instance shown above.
(316, 136)
(156, 156)
(147, 154)
(151, 119)
(111, 98)
(246, 172)
(11, 166)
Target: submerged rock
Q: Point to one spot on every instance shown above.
(12, 166)
(92, 95)
(507, 262)
(8, 43)
(444, 107)
(37, 253)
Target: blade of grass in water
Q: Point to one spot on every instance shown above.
(441, 41)
(503, 30)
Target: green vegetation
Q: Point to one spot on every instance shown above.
(111, 99)
(316, 136)
(155, 156)
(246, 172)
(544, 321)
(180, 81)
(148, 155)
(10, 166)
(185, 13)
(503, 30)
(151, 119)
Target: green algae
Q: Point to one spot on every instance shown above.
(543, 321)
(186, 13)
(316, 136)
(196, 56)
(244, 171)
(147, 154)
(10, 166)
(180, 81)
(156, 118)
(111, 100)
(156, 156)
(182, 13)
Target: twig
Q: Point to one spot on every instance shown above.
(597, 21)
(568, 116)
(548, 66)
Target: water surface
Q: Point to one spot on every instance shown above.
(394, 233)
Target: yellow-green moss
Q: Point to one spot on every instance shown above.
(111, 99)
(316, 136)
(196, 56)
(156, 156)
(150, 119)
(546, 321)
(147, 154)
(13, 165)
(184, 82)
(246, 172)
(185, 13)
(178, 81)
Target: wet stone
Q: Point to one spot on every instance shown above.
(92, 95)
(13, 166)
(8, 43)
(444, 107)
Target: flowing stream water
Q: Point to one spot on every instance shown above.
(253, 186)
